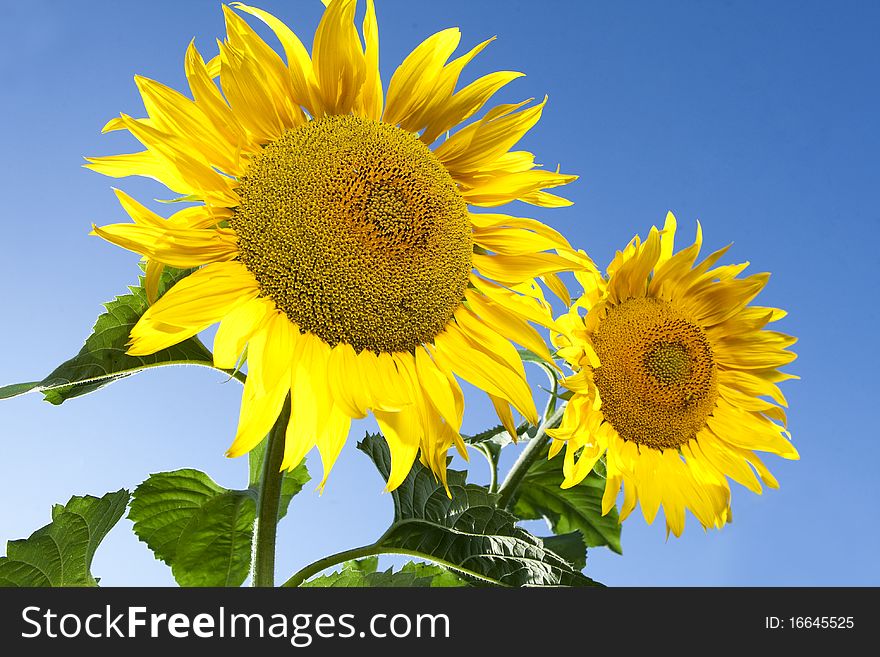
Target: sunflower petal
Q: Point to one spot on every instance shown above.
(338, 59)
(199, 300)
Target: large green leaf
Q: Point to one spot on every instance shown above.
(60, 554)
(578, 508)
(467, 532)
(364, 573)
(201, 530)
(103, 360)
(570, 547)
(215, 547)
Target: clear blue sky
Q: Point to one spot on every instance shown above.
(757, 118)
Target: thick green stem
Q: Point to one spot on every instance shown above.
(554, 392)
(528, 456)
(493, 467)
(322, 564)
(374, 549)
(268, 502)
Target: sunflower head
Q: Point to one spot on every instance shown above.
(674, 381)
(335, 235)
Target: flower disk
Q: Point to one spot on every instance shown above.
(357, 232)
(657, 380)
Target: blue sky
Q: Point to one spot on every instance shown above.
(758, 119)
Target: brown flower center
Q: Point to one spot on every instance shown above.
(357, 232)
(657, 379)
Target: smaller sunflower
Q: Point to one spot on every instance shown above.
(674, 382)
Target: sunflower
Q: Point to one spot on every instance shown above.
(675, 382)
(333, 235)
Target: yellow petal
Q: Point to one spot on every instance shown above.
(437, 387)
(727, 461)
(174, 113)
(465, 103)
(139, 213)
(517, 269)
(631, 279)
(256, 417)
(236, 328)
(401, 430)
(338, 59)
(268, 382)
(344, 380)
(414, 80)
(331, 438)
(250, 99)
(667, 240)
(749, 431)
(177, 247)
(371, 99)
(494, 344)
(152, 276)
(199, 300)
(302, 75)
(485, 141)
(557, 287)
(273, 74)
(181, 163)
(498, 189)
(722, 300)
(512, 241)
(145, 163)
(752, 384)
(310, 398)
(380, 381)
(612, 489)
(209, 99)
(529, 307)
(496, 224)
(505, 416)
(509, 324)
(443, 84)
(454, 351)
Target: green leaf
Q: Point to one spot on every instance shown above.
(570, 547)
(61, 553)
(467, 532)
(578, 508)
(363, 573)
(292, 482)
(201, 530)
(439, 577)
(215, 547)
(103, 360)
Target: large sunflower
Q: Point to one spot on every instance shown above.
(675, 382)
(334, 241)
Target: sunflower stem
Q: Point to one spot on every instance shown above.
(493, 468)
(268, 503)
(554, 392)
(528, 456)
(334, 559)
